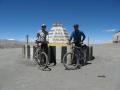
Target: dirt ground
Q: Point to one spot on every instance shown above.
(102, 73)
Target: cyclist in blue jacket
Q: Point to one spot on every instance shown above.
(77, 36)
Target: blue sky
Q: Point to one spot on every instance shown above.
(97, 18)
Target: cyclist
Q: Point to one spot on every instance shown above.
(77, 36)
(42, 38)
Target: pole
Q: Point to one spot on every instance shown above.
(27, 37)
(88, 41)
(88, 50)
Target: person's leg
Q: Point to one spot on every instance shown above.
(79, 52)
(42, 46)
(46, 51)
(84, 50)
(46, 48)
(74, 58)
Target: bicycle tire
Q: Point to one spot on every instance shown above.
(74, 66)
(35, 57)
(84, 60)
(43, 60)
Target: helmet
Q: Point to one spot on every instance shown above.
(76, 25)
(43, 26)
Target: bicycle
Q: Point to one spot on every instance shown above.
(41, 58)
(75, 59)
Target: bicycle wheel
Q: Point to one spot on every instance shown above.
(83, 60)
(85, 57)
(35, 57)
(42, 59)
(71, 61)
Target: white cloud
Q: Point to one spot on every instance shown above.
(110, 30)
(96, 41)
(11, 39)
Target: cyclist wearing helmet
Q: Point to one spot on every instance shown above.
(42, 38)
(77, 36)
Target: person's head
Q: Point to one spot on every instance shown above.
(43, 27)
(76, 27)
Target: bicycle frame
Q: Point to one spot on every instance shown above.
(79, 51)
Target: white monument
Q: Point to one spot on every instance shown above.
(116, 37)
(58, 35)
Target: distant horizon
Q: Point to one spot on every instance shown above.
(86, 42)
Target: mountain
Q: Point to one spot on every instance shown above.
(9, 43)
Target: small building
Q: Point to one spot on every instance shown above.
(58, 35)
(116, 37)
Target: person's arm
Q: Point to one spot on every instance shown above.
(83, 36)
(37, 37)
(47, 33)
(38, 34)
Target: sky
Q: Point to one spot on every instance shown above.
(98, 19)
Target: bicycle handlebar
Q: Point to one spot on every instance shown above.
(81, 43)
(74, 42)
(76, 46)
(41, 42)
